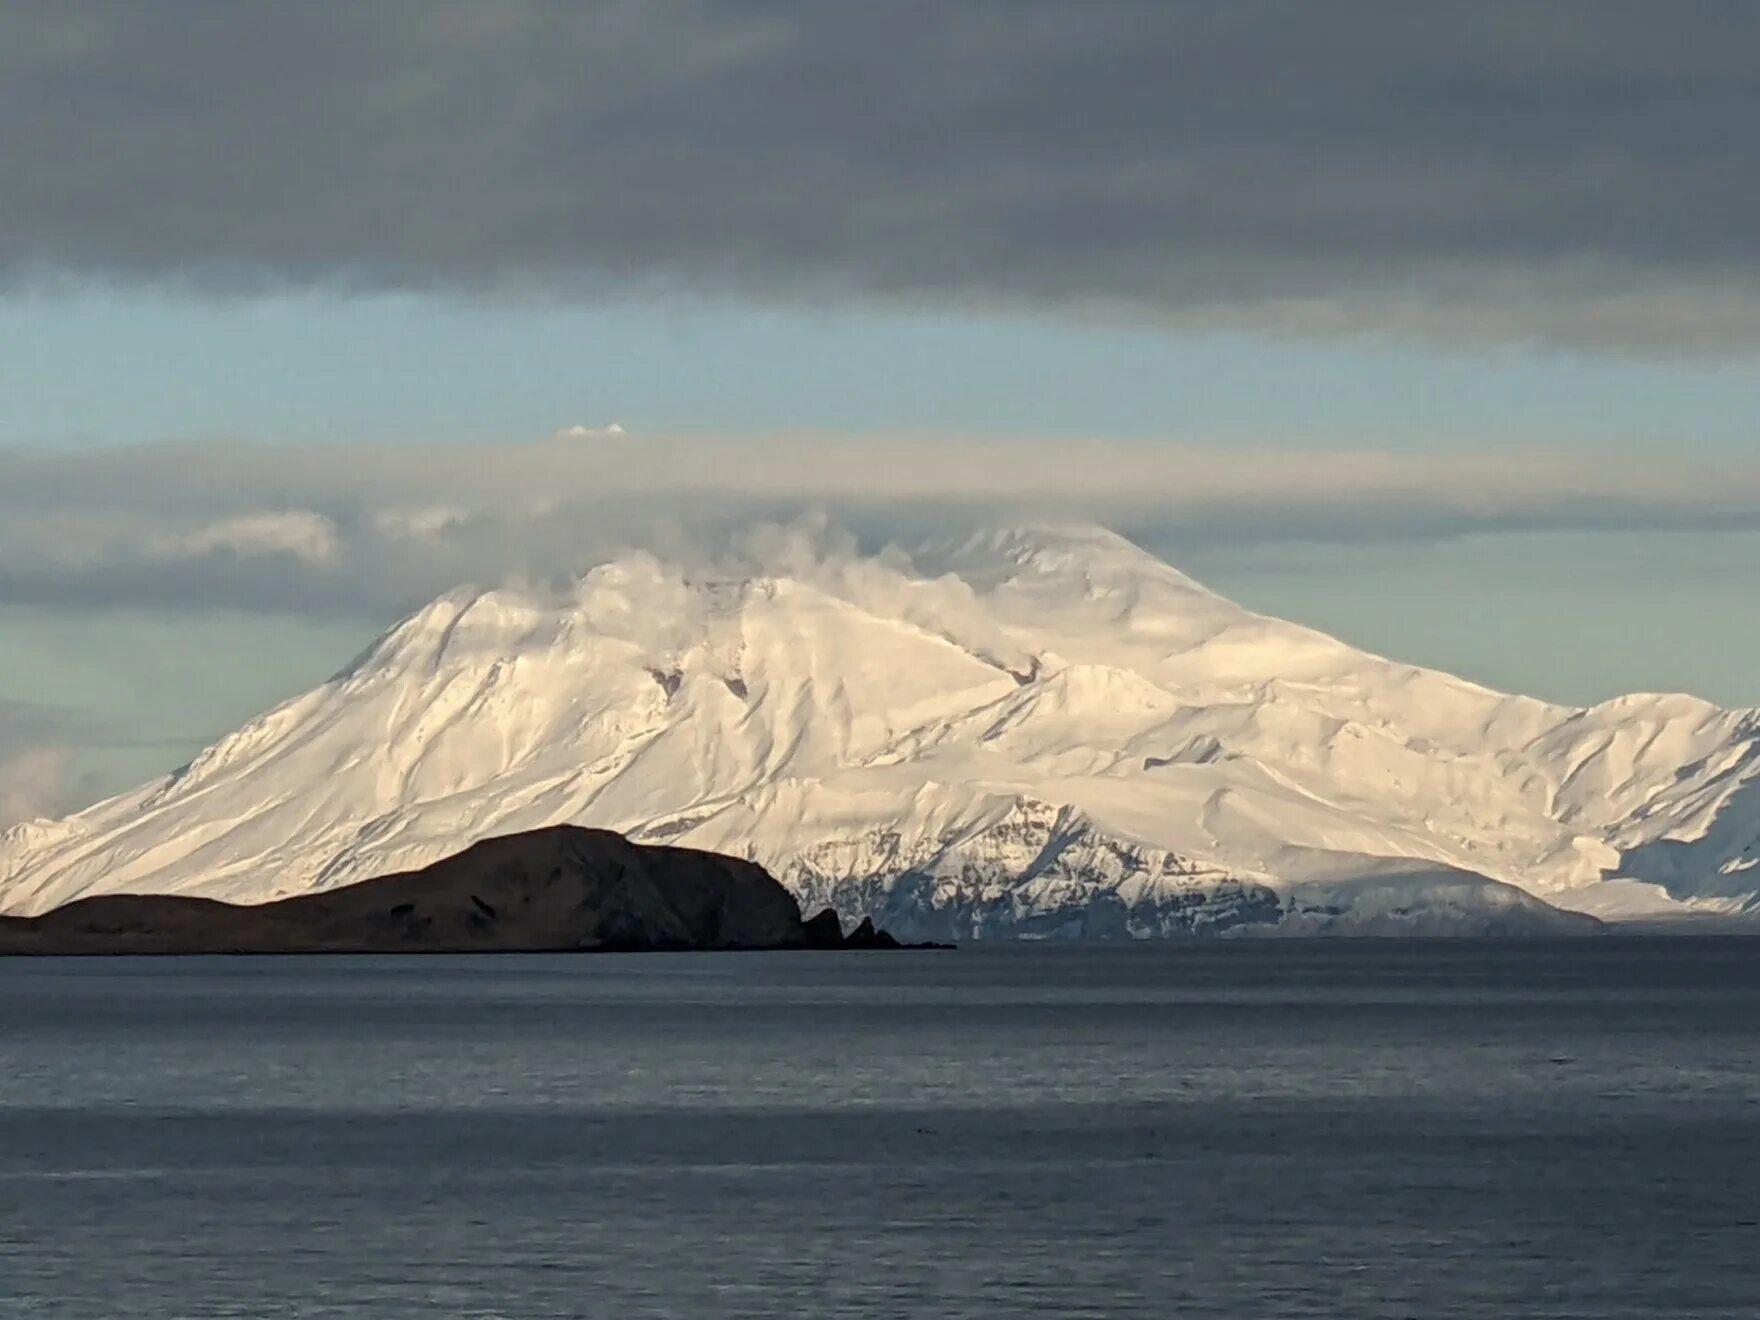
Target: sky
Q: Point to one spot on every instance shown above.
(1435, 327)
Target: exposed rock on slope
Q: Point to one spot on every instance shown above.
(562, 888)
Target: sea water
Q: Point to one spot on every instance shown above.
(1346, 1129)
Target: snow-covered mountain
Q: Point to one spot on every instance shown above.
(1041, 732)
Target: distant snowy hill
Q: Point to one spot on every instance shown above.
(1031, 732)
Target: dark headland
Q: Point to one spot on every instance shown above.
(563, 889)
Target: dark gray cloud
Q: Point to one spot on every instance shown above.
(1578, 170)
(371, 530)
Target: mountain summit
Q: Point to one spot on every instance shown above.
(1028, 732)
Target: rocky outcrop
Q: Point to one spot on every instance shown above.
(1037, 870)
(558, 889)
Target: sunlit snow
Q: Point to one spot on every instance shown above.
(1027, 732)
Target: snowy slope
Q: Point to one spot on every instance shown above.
(1042, 732)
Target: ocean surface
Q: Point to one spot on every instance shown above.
(1353, 1129)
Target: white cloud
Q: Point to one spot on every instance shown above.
(307, 536)
(580, 432)
(35, 757)
(420, 524)
(373, 529)
(33, 783)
